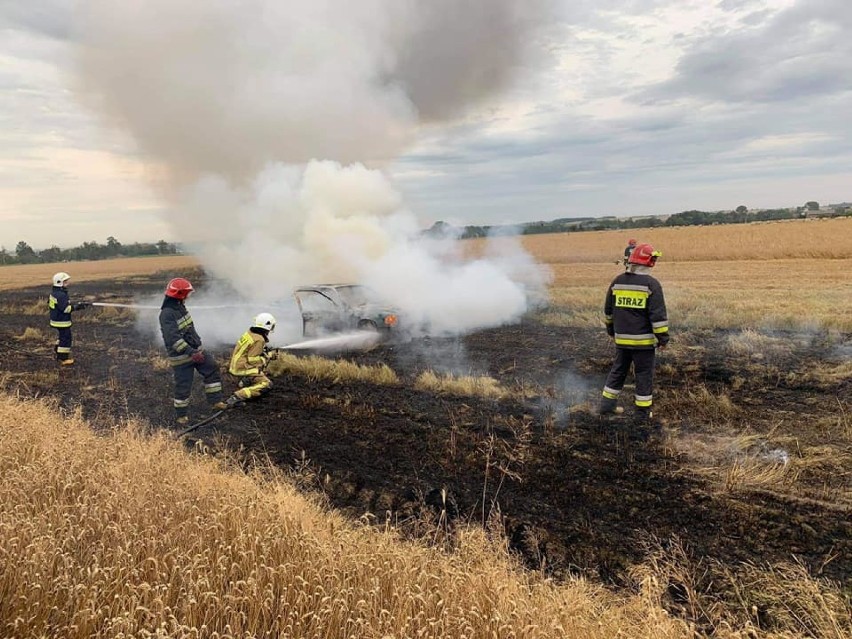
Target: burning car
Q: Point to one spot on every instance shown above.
(329, 308)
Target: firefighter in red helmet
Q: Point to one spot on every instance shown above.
(631, 245)
(635, 316)
(186, 355)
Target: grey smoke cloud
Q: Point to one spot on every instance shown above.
(228, 87)
(268, 122)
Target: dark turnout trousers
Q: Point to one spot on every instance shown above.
(63, 344)
(643, 369)
(184, 376)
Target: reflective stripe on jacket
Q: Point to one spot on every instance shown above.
(247, 358)
(60, 307)
(178, 332)
(635, 312)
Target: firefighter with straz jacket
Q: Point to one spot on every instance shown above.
(635, 315)
(186, 356)
(61, 308)
(249, 360)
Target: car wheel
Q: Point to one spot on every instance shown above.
(368, 325)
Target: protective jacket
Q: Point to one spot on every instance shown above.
(178, 331)
(61, 307)
(248, 358)
(635, 312)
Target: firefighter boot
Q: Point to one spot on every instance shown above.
(609, 408)
(182, 421)
(233, 401)
(67, 362)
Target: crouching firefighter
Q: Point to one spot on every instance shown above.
(635, 315)
(249, 360)
(60, 317)
(186, 356)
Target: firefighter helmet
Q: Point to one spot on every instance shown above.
(265, 321)
(631, 242)
(644, 255)
(179, 288)
(60, 278)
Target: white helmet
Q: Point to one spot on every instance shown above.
(265, 321)
(60, 278)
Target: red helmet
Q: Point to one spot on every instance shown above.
(179, 288)
(631, 242)
(644, 255)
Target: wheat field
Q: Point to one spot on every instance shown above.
(779, 275)
(25, 275)
(792, 239)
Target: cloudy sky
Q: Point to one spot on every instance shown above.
(623, 107)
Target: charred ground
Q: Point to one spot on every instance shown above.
(572, 495)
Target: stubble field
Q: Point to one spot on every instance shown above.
(738, 511)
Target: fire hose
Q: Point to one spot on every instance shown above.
(197, 424)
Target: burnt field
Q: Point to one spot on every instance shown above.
(753, 464)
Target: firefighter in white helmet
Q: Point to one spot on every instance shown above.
(249, 360)
(60, 316)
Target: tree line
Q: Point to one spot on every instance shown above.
(26, 254)
(740, 215)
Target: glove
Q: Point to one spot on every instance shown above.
(79, 306)
(271, 355)
(197, 357)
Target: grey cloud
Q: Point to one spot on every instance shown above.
(800, 52)
(50, 18)
(677, 157)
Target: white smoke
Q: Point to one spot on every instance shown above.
(268, 122)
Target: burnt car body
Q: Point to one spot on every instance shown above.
(332, 308)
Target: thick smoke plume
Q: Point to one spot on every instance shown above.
(268, 122)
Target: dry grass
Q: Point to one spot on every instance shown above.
(128, 536)
(466, 385)
(316, 368)
(756, 294)
(750, 599)
(745, 462)
(31, 334)
(25, 275)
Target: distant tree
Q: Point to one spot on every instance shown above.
(742, 208)
(5, 258)
(52, 254)
(163, 248)
(25, 253)
(113, 246)
(812, 206)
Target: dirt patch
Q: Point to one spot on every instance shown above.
(572, 494)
